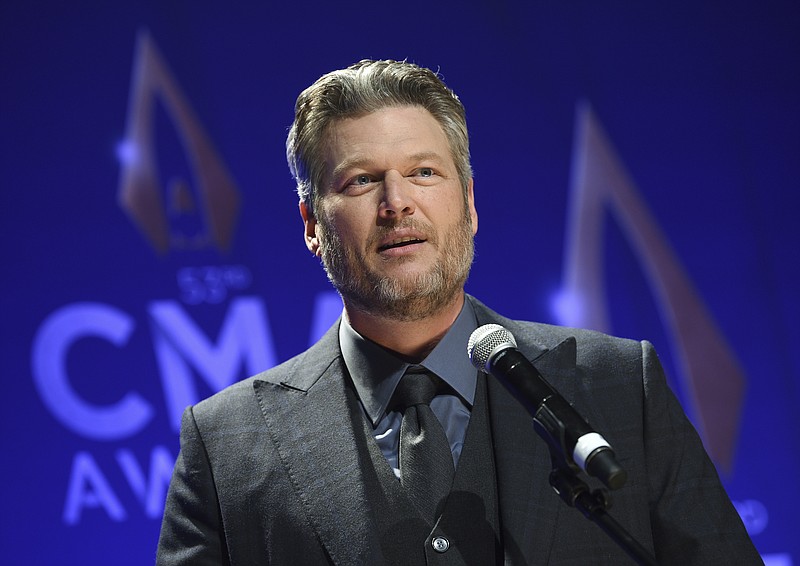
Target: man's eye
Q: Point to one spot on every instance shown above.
(425, 172)
(361, 180)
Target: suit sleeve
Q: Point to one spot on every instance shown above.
(191, 531)
(693, 520)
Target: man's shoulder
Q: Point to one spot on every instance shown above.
(546, 336)
(297, 372)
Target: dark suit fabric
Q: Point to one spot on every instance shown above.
(271, 470)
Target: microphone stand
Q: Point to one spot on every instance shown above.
(575, 492)
(492, 349)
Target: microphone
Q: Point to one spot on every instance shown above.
(492, 349)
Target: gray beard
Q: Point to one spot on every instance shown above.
(407, 299)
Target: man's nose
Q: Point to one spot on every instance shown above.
(397, 198)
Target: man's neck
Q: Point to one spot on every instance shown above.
(411, 339)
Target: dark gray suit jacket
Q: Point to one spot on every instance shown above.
(270, 469)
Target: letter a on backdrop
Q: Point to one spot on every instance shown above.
(710, 371)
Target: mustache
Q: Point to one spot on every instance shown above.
(383, 231)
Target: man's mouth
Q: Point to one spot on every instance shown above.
(400, 242)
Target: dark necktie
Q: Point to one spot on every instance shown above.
(426, 463)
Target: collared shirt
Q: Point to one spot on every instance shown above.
(376, 372)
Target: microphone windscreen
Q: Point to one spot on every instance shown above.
(485, 342)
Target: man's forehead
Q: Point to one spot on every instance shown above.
(411, 134)
(397, 115)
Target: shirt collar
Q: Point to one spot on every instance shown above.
(376, 371)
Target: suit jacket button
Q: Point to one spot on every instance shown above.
(440, 544)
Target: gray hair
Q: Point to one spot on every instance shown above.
(360, 89)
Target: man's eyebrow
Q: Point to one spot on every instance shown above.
(364, 162)
(358, 162)
(426, 156)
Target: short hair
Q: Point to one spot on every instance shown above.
(360, 89)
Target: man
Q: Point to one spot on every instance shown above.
(314, 461)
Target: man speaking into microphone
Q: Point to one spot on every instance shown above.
(382, 443)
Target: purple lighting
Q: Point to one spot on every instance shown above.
(567, 308)
(127, 152)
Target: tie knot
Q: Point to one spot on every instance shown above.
(417, 387)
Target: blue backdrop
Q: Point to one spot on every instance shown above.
(636, 166)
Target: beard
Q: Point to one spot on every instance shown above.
(406, 297)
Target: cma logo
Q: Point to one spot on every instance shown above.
(244, 346)
(184, 355)
(194, 207)
(185, 215)
(244, 341)
(709, 368)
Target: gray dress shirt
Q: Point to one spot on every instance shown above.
(376, 371)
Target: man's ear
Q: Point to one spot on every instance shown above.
(310, 229)
(473, 212)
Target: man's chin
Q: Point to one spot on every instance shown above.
(403, 300)
(402, 270)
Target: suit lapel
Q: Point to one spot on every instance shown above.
(312, 422)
